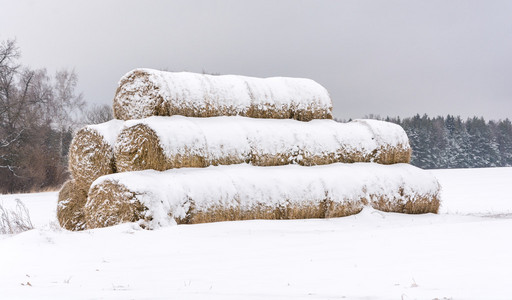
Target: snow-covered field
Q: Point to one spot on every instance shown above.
(465, 252)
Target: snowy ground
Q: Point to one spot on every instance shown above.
(463, 253)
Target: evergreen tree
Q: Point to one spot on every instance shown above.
(450, 142)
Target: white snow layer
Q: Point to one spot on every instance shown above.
(108, 130)
(371, 255)
(168, 194)
(241, 136)
(236, 93)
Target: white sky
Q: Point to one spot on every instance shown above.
(395, 58)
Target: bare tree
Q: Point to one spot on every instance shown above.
(67, 104)
(38, 113)
(96, 114)
(11, 100)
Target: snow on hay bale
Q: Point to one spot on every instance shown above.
(91, 152)
(241, 192)
(163, 143)
(145, 92)
(70, 206)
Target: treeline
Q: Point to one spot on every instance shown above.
(451, 142)
(38, 115)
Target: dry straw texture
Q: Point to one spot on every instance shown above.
(407, 204)
(143, 92)
(70, 207)
(323, 209)
(139, 148)
(138, 85)
(388, 155)
(118, 205)
(90, 156)
(143, 145)
(111, 203)
(244, 192)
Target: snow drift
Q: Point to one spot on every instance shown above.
(145, 92)
(162, 143)
(91, 152)
(241, 192)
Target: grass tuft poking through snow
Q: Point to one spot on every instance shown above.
(15, 221)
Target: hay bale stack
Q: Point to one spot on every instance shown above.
(163, 143)
(241, 192)
(91, 152)
(70, 206)
(144, 92)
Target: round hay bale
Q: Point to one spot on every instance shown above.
(242, 192)
(111, 203)
(144, 92)
(138, 96)
(91, 152)
(70, 206)
(138, 148)
(163, 143)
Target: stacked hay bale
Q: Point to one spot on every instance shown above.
(189, 123)
(91, 155)
(144, 92)
(241, 192)
(163, 143)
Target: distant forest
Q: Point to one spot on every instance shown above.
(39, 112)
(451, 142)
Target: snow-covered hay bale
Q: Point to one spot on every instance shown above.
(91, 153)
(241, 192)
(163, 143)
(144, 92)
(70, 206)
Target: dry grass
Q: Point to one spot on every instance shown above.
(70, 206)
(139, 85)
(388, 155)
(112, 203)
(417, 204)
(270, 111)
(90, 157)
(342, 209)
(45, 189)
(287, 211)
(15, 221)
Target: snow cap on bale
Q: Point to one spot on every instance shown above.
(241, 192)
(91, 152)
(163, 143)
(145, 92)
(70, 206)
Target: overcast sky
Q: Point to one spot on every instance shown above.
(395, 58)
